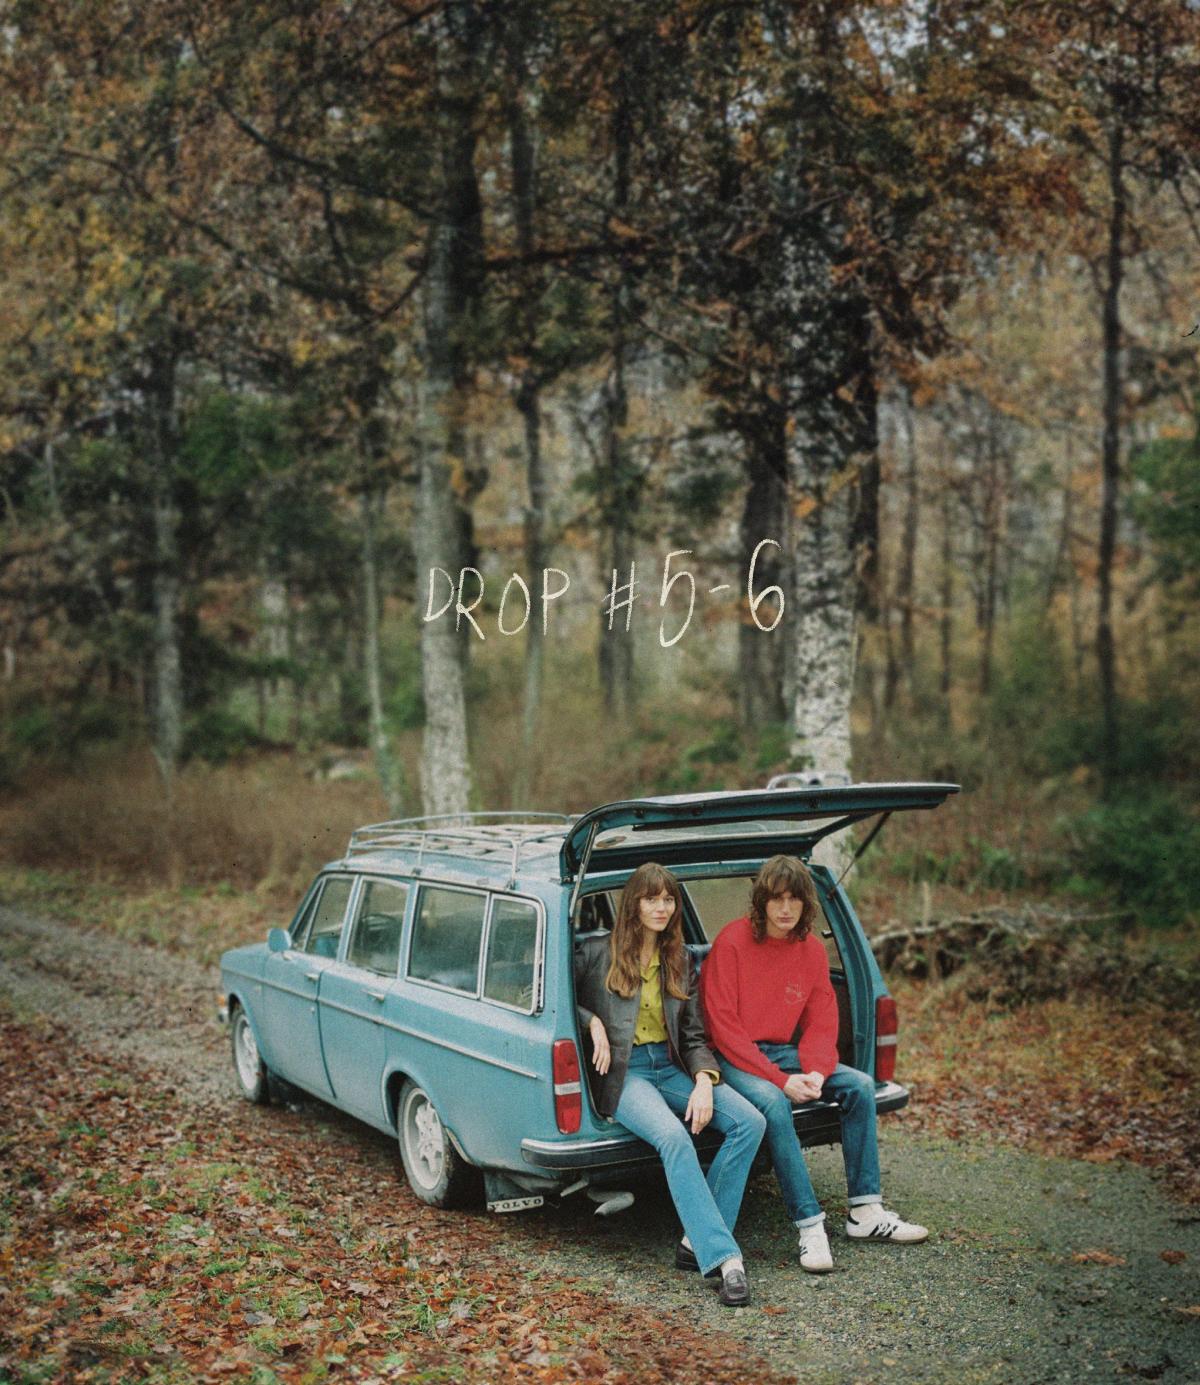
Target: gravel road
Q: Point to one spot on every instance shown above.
(1039, 1269)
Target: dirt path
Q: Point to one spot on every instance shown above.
(1039, 1269)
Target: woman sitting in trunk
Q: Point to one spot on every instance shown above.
(657, 1076)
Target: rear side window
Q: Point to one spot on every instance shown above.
(446, 938)
(329, 917)
(511, 954)
(718, 900)
(375, 942)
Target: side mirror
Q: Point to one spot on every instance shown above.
(278, 940)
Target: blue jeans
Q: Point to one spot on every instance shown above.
(653, 1098)
(854, 1092)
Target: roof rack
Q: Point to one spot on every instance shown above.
(482, 836)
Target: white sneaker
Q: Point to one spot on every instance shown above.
(873, 1222)
(814, 1249)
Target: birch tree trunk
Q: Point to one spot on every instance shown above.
(831, 427)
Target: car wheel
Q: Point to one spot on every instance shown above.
(436, 1172)
(253, 1076)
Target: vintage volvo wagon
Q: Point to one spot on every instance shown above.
(426, 986)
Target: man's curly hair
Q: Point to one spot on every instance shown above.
(783, 875)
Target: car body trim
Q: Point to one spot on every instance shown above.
(460, 1048)
(813, 1117)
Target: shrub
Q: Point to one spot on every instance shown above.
(1144, 848)
(216, 735)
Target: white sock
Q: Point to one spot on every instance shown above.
(686, 1244)
(734, 1262)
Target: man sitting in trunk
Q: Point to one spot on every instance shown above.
(773, 1019)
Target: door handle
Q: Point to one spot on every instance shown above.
(380, 996)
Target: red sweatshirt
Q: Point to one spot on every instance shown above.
(767, 992)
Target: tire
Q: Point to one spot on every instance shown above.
(435, 1170)
(253, 1076)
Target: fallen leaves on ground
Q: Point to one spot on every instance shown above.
(148, 1238)
(1081, 1077)
(1097, 1257)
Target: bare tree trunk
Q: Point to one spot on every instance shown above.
(386, 765)
(946, 618)
(445, 770)
(619, 484)
(524, 175)
(1111, 474)
(761, 654)
(1062, 552)
(988, 575)
(167, 582)
(273, 638)
(907, 566)
(451, 291)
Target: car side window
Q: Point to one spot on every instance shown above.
(446, 936)
(302, 925)
(329, 917)
(509, 968)
(375, 941)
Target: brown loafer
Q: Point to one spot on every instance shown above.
(735, 1289)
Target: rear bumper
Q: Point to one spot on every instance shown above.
(817, 1123)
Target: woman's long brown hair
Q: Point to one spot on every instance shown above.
(625, 945)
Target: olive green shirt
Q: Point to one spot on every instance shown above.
(650, 1027)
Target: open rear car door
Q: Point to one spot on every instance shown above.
(726, 826)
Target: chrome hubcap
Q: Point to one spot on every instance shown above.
(246, 1052)
(426, 1142)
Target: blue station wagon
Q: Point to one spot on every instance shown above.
(426, 982)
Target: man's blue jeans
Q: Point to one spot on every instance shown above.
(653, 1098)
(853, 1091)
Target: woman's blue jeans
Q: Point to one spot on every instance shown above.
(654, 1096)
(854, 1093)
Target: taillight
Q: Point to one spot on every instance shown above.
(568, 1090)
(886, 1026)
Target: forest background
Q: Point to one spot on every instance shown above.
(302, 301)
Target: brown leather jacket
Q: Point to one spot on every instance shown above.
(618, 1013)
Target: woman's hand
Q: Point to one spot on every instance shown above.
(700, 1104)
(601, 1053)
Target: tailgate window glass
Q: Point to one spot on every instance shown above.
(375, 942)
(328, 918)
(511, 953)
(446, 937)
(718, 901)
